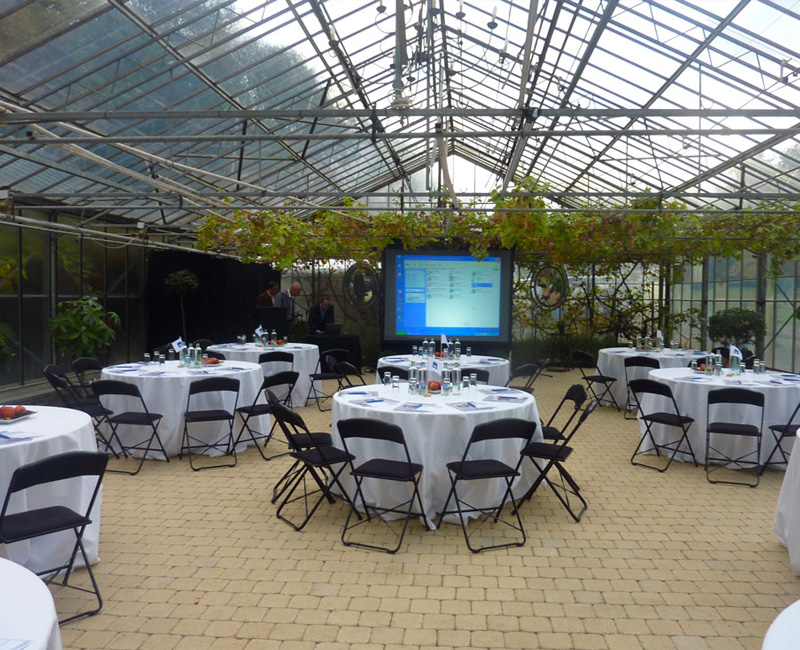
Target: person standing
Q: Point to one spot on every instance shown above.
(286, 298)
(267, 297)
(320, 315)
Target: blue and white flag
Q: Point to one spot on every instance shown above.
(259, 330)
(435, 365)
(736, 352)
(178, 344)
(444, 340)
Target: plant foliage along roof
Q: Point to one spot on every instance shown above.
(663, 121)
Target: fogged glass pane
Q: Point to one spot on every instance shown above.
(749, 290)
(749, 266)
(782, 356)
(697, 292)
(68, 267)
(9, 328)
(734, 268)
(35, 262)
(734, 291)
(784, 289)
(720, 291)
(93, 272)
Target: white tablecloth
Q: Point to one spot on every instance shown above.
(27, 611)
(56, 431)
(691, 393)
(166, 388)
(498, 368)
(784, 632)
(436, 434)
(611, 363)
(306, 358)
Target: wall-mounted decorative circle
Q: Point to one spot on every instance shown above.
(361, 285)
(550, 287)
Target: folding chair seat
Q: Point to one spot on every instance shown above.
(734, 424)
(315, 459)
(394, 370)
(286, 379)
(56, 517)
(87, 370)
(779, 433)
(599, 385)
(636, 367)
(381, 469)
(213, 388)
(110, 388)
(477, 464)
(555, 455)
(326, 372)
(576, 395)
(351, 376)
(70, 397)
(530, 372)
(215, 355)
(671, 417)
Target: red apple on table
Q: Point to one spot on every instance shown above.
(434, 385)
(6, 412)
(19, 410)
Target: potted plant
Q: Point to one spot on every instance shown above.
(181, 283)
(736, 326)
(82, 328)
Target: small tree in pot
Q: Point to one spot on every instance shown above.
(181, 283)
(82, 328)
(736, 326)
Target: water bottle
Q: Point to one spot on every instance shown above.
(457, 351)
(736, 367)
(182, 356)
(412, 378)
(456, 378)
(447, 381)
(425, 348)
(422, 380)
(274, 336)
(445, 351)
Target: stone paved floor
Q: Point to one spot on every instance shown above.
(198, 560)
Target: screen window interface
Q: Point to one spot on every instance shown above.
(448, 295)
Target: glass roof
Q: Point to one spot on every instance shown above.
(160, 110)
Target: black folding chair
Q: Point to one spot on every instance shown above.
(351, 376)
(71, 398)
(599, 385)
(530, 372)
(394, 370)
(55, 518)
(481, 374)
(326, 373)
(287, 379)
(213, 387)
(632, 366)
(111, 388)
(779, 433)
(576, 396)
(555, 454)
(87, 370)
(314, 466)
(477, 465)
(381, 469)
(203, 343)
(671, 417)
(729, 397)
(266, 359)
(215, 355)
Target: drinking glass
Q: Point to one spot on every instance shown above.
(412, 386)
(469, 351)
(395, 383)
(465, 384)
(473, 382)
(147, 357)
(413, 351)
(161, 359)
(387, 378)
(694, 366)
(171, 354)
(446, 388)
(204, 361)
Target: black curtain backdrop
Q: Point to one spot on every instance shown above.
(219, 310)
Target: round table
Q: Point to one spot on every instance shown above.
(611, 363)
(784, 631)
(49, 431)
(306, 358)
(436, 433)
(499, 369)
(165, 389)
(691, 394)
(27, 611)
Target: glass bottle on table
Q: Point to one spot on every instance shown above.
(457, 351)
(274, 336)
(424, 348)
(456, 378)
(422, 380)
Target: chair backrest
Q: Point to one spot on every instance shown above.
(333, 364)
(203, 343)
(215, 355)
(213, 385)
(370, 428)
(480, 373)
(115, 387)
(584, 415)
(347, 370)
(62, 385)
(528, 370)
(283, 378)
(86, 369)
(575, 394)
(502, 429)
(394, 370)
(641, 362)
(72, 464)
(291, 423)
(276, 356)
(339, 354)
(735, 395)
(640, 387)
